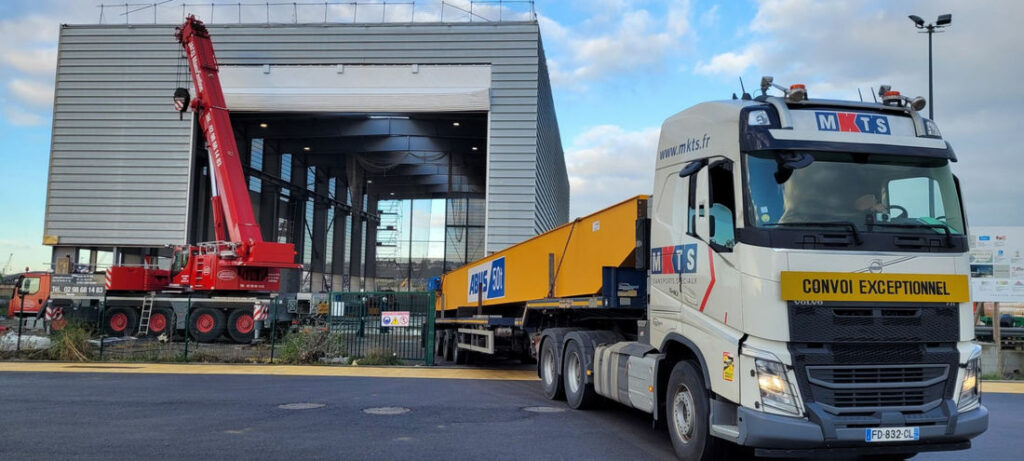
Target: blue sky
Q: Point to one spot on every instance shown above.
(620, 67)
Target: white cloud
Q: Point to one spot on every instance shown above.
(839, 46)
(34, 61)
(729, 63)
(607, 164)
(32, 92)
(19, 117)
(622, 39)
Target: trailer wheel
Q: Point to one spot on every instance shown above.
(206, 324)
(120, 321)
(439, 343)
(162, 321)
(686, 408)
(241, 326)
(460, 356)
(578, 393)
(449, 345)
(550, 375)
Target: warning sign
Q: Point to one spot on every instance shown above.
(839, 286)
(394, 319)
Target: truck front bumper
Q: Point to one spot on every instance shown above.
(774, 435)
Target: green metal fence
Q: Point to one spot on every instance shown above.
(399, 323)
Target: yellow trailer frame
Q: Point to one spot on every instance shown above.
(563, 262)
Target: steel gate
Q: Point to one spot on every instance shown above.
(401, 323)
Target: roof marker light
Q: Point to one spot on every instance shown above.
(797, 92)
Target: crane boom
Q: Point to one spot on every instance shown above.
(213, 117)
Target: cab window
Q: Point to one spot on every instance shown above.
(723, 205)
(29, 286)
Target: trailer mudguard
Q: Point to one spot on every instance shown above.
(589, 340)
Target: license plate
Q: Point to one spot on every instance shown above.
(891, 434)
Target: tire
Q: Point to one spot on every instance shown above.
(578, 393)
(550, 372)
(438, 343)
(120, 321)
(241, 327)
(161, 321)
(461, 356)
(448, 351)
(686, 409)
(206, 325)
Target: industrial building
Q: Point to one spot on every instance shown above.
(387, 152)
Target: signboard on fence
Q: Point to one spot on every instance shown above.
(394, 319)
(997, 264)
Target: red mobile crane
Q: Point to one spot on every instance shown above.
(217, 282)
(239, 260)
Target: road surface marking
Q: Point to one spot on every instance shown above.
(1002, 387)
(277, 370)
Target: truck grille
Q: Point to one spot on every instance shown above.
(878, 399)
(854, 387)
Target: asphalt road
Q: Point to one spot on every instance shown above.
(136, 416)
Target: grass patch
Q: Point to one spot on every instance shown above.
(309, 345)
(71, 343)
(380, 357)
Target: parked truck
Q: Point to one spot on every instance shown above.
(214, 286)
(796, 285)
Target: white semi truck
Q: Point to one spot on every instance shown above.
(804, 289)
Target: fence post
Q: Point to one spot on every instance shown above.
(188, 322)
(273, 329)
(103, 331)
(429, 346)
(997, 337)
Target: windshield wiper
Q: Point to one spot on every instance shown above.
(847, 224)
(919, 225)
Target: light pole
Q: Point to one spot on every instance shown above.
(943, 21)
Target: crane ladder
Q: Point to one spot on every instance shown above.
(147, 312)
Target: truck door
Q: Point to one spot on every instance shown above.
(36, 289)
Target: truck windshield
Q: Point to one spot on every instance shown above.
(29, 286)
(862, 192)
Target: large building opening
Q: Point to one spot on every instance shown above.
(371, 201)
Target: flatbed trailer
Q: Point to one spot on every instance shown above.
(501, 314)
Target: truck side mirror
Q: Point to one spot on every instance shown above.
(692, 167)
(711, 225)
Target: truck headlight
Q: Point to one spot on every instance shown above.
(776, 391)
(970, 387)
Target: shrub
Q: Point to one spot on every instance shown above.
(309, 345)
(71, 343)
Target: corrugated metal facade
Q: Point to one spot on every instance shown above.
(119, 166)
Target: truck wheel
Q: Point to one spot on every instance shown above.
(241, 326)
(578, 393)
(550, 375)
(120, 321)
(162, 321)
(206, 324)
(686, 407)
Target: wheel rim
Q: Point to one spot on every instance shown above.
(575, 372)
(548, 368)
(204, 323)
(119, 322)
(157, 323)
(244, 324)
(682, 413)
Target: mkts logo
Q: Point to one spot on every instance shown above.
(678, 259)
(852, 122)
